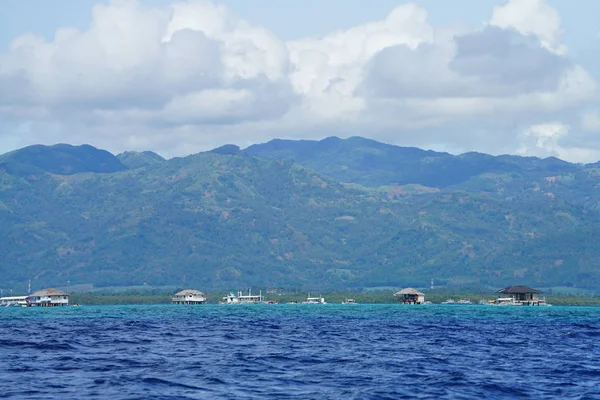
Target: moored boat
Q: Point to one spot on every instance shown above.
(505, 301)
(314, 300)
(13, 301)
(241, 298)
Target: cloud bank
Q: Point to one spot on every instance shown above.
(191, 76)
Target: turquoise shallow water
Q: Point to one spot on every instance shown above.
(300, 352)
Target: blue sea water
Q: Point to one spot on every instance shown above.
(300, 352)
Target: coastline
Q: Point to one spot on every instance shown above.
(332, 298)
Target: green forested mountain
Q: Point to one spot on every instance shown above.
(60, 159)
(372, 163)
(329, 214)
(134, 159)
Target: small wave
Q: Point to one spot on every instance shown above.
(44, 345)
(159, 381)
(22, 394)
(366, 352)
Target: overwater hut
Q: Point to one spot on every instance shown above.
(521, 295)
(410, 296)
(48, 298)
(189, 296)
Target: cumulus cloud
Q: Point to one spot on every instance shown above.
(327, 71)
(506, 59)
(590, 121)
(544, 140)
(531, 17)
(492, 62)
(190, 75)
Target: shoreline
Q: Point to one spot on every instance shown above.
(331, 298)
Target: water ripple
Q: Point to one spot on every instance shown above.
(300, 352)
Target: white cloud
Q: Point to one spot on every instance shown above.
(139, 56)
(119, 52)
(490, 63)
(590, 121)
(190, 75)
(248, 51)
(327, 71)
(544, 140)
(531, 17)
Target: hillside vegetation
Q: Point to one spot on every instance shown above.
(335, 213)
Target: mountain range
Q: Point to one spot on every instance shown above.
(336, 213)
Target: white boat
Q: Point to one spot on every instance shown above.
(14, 301)
(349, 301)
(505, 301)
(461, 301)
(314, 300)
(510, 301)
(241, 298)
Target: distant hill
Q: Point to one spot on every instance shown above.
(231, 219)
(61, 159)
(135, 159)
(371, 163)
(228, 149)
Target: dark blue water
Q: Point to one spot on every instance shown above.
(300, 352)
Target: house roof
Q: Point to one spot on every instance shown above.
(517, 289)
(49, 292)
(408, 291)
(189, 291)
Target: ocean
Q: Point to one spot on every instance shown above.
(300, 352)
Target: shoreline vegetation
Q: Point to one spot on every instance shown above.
(331, 298)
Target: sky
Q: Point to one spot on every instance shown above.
(183, 76)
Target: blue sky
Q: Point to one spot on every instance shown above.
(494, 76)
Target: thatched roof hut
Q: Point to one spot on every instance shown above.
(517, 289)
(48, 298)
(408, 291)
(521, 294)
(189, 296)
(410, 296)
(187, 292)
(48, 292)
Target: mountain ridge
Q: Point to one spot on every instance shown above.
(228, 219)
(62, 159)
(373, 163)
